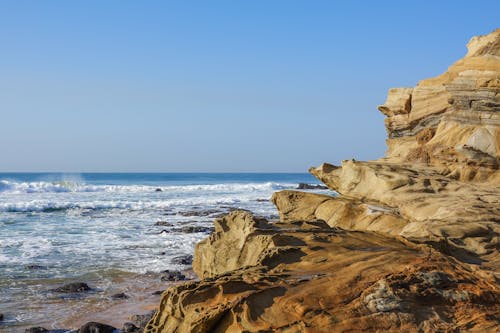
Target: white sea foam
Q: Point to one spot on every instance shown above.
(51, 206)
(69, 186)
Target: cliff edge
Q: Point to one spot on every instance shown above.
(409, 244)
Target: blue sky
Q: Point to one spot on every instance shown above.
(214, 86)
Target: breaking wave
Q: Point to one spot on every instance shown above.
(68, 186)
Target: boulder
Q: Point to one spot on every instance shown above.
(75, 287)
(169, 275)
(93, 327)
(183, 260)
(36, 330)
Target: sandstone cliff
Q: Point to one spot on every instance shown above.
(410, 243)
(451, 120)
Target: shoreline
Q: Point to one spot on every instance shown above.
(68, 312)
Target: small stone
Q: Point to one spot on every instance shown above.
(1, 316)
(35, 267)
(158, 190)
(142, 320)
(36, 330)
(172, 276)
(195, 229)
(76, 287)
(163, 224)
(120, 296)
(183, 260)
(130, 328)
(199, 212)
(93, 327)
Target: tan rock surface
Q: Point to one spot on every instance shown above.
(409, 245)
(462, 108)
(327, 280)
(438, 209)
(340, 212)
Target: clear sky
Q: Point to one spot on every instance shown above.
(180, 86)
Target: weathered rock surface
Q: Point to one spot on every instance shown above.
(410, 244)
(464, 217)
(452, 120)
(322, 279)
(348, 214)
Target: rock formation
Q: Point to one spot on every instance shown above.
(410, 243)
(451, 120)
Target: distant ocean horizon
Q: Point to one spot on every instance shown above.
(58, 227)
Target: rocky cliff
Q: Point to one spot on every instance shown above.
(410, 243)
(451, 121)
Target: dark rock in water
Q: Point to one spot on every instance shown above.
(119, 296)
(304, 186)
(262, 200)
(1, 316)
(130, 328)
(36, 330)
(172, 276)
(158, 190)
(158, 292)
(183, 260)
(76, 287)
(35, 267)
(164, 224)
(162, 253)
(142, 320)
(199, 212)
(190, 229)
(93, 327)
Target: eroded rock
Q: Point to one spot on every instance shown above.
(457, 111)
(381, 256)
(340, 281)
(463, 217)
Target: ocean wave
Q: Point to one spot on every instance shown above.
(68, 186)
(54, 206)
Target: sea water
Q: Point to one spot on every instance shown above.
(56, 228)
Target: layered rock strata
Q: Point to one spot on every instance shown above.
(409, 243)
(452, 120)
(309, 277)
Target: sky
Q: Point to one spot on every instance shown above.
(214, 86)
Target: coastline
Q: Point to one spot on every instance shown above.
(68, 312)
(410, 244)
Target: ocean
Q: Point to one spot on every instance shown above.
(110, 230)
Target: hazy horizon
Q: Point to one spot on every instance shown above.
(148, 87)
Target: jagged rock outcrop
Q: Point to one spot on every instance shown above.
(452, 120)
(239, 240)
(341, 212)
(329, 280)
(460, 216)
(409, 244)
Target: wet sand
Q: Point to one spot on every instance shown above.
(63, 312)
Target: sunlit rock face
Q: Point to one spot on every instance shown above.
(408, 243)
(452, 120)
